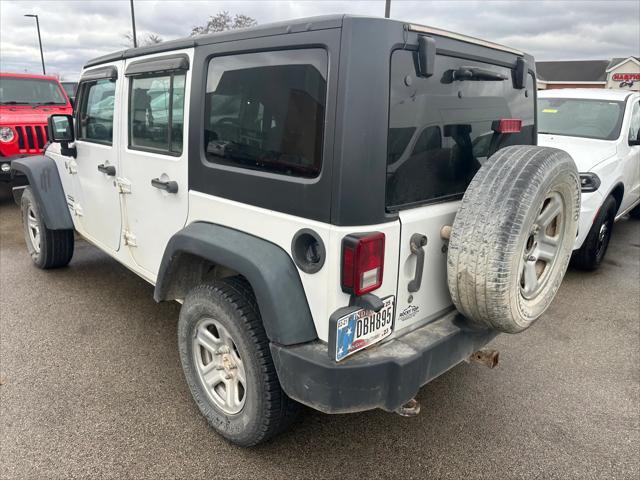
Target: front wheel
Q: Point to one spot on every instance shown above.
(48, 248)
(226, 360)
(591, 254)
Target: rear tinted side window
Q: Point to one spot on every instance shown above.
(440, 131)
(265, 111)
(156, 111)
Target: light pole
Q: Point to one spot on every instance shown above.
(387, 8)
(133, 24)
(44, 72)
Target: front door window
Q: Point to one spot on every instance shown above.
(96, 112)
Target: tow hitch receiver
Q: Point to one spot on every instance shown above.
(409, 409)
(487, 357)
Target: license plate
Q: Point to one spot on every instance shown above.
(363, 328)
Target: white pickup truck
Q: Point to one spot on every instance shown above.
(600, 129)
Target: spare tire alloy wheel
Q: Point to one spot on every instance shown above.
(512, 237)
(541, 249)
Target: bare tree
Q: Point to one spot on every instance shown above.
(223, 21)
(152, 39)
(148, 39)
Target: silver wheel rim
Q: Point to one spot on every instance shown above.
(542, 246)
(219, 366)
(33, 228)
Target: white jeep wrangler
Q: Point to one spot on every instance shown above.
(294, 186)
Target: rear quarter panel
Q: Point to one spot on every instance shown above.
(322, 289)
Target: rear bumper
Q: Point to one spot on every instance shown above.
(386, 376)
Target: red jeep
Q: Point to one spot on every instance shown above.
(26, 101)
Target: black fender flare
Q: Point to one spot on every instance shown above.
(45, 183)
(268, 268)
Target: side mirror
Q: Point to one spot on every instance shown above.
(60, 128)
(636, 141)
(61, 131)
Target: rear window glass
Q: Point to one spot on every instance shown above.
(440, 131)
(579, 117)
(265, 111)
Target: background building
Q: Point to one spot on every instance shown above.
(621, 73)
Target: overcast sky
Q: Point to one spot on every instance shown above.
(75, 31)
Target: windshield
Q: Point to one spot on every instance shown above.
(70, 88)
(29, 91)
(579, 117)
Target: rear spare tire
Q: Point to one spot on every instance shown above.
(513, 236)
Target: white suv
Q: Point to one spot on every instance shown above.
(600, 129)
(249, 176)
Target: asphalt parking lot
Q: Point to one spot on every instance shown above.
(91, 386)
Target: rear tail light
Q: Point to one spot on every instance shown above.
(362, 262)
(507, 125)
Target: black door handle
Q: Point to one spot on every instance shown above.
(417, 242)
(168, 186)
(108, 169)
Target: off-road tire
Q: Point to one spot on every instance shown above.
(635, 212)
(495, 227)
(267, 410)
(594, 248)
(55, 248)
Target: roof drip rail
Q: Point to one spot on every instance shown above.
(166, 63)
(109, 72)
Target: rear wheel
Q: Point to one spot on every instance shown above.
(227, 363)
(635, 213)
(512, 237)
(48, 248)
(594, 248)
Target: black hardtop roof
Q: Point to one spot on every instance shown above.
(266, 30)
(278, 28)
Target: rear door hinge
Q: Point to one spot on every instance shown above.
(124, 185)
(130, 239)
